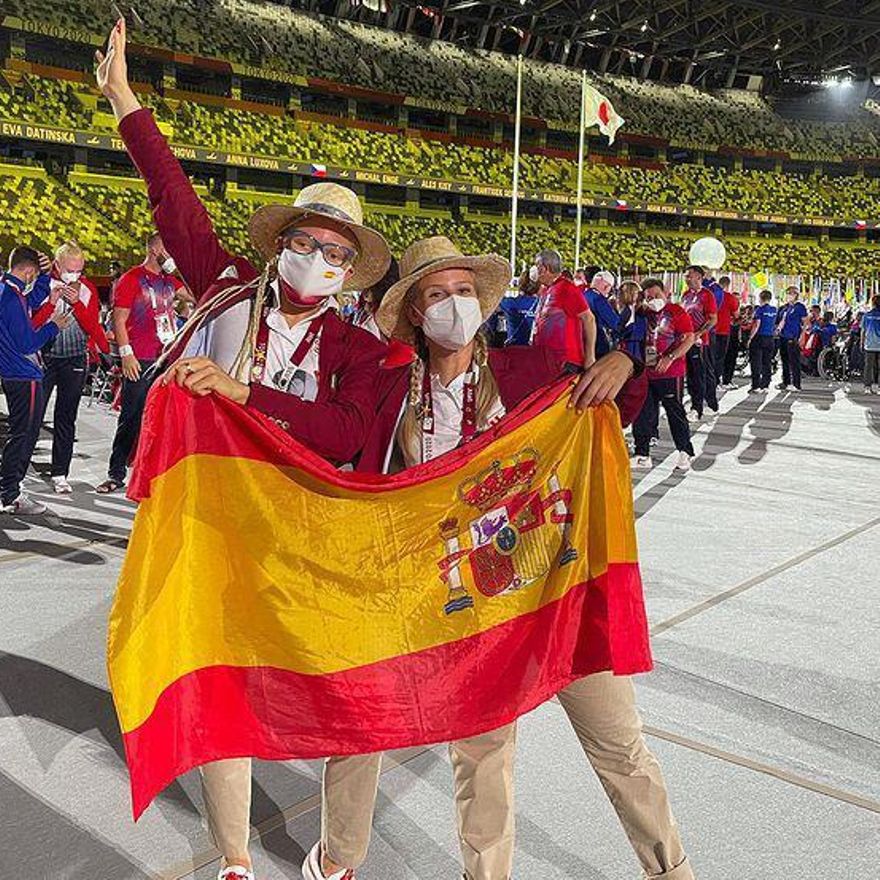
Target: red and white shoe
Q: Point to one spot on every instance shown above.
(235, 872)
(311, 869)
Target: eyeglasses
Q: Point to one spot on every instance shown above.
(337, 255)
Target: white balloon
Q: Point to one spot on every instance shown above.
(708, 252)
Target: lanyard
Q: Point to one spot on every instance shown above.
(468, 413)
(261, 349)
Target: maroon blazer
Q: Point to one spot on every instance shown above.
(337, 423)
(518, 370)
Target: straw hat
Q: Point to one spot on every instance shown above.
(332, 202)
(430, 255)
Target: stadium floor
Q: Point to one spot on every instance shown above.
(760, 570)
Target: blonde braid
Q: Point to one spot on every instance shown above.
(409, 434)
(241, 365)
(487, 388)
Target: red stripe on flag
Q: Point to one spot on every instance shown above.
(176, 424)
(494, 677)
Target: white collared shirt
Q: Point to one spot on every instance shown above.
(283, 343)
(448, 405)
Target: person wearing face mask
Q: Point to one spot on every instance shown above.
(25, 287)
(564, 322)
(268, 338)
(67, 356)
(144, 322)
(454, 389)
(670, 337)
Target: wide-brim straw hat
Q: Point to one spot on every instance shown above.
(430, 255)
(329, 201)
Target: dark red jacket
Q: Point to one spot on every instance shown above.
(518, 370)
(336, 424)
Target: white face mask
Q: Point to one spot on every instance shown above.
(168, 265)
(310, 274)
(70, 277)
(453, 322)
(533, 274)
(656, 304)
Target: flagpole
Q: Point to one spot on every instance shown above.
(580, 184)
(516, 137)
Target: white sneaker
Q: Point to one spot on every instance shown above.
(876, 389)
(311, 867)
(25, 506)
(693, 417)
(792, 388)
(654, 441)
(61, 486)
(684, 462)
(235, 872)
(643, 462)
(730, 386)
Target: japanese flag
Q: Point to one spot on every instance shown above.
(599, 111)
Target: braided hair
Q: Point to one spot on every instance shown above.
(409, 434)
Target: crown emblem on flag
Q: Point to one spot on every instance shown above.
(521, 530)
(499, 480)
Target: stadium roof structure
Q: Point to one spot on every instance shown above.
(685, 40)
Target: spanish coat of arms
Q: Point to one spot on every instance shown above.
(509, 544)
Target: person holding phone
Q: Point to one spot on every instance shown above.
(67, 355)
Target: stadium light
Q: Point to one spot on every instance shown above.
(777, 46)
(593, 15)
(644, 27)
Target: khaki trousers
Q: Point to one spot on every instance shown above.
(602, 711)
(226, 788)
(482, 769)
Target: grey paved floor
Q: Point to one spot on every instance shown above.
(761, 572)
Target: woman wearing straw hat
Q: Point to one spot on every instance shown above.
(269, 339)
(453, 390)
(438, 306)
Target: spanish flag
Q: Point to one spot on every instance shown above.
(271, 606)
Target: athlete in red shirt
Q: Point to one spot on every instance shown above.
(699, 302)
(144, 321)
(670, 338)
(727, 311)
(564, 322)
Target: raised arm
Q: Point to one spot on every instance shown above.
(184, 224)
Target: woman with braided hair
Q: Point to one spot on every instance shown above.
(269, 339)
(452, 390)
(438, 307)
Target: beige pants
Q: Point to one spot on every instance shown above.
(226, 788)
(602, 711)
(482, 769)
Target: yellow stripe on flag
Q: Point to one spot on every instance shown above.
(239, 562)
